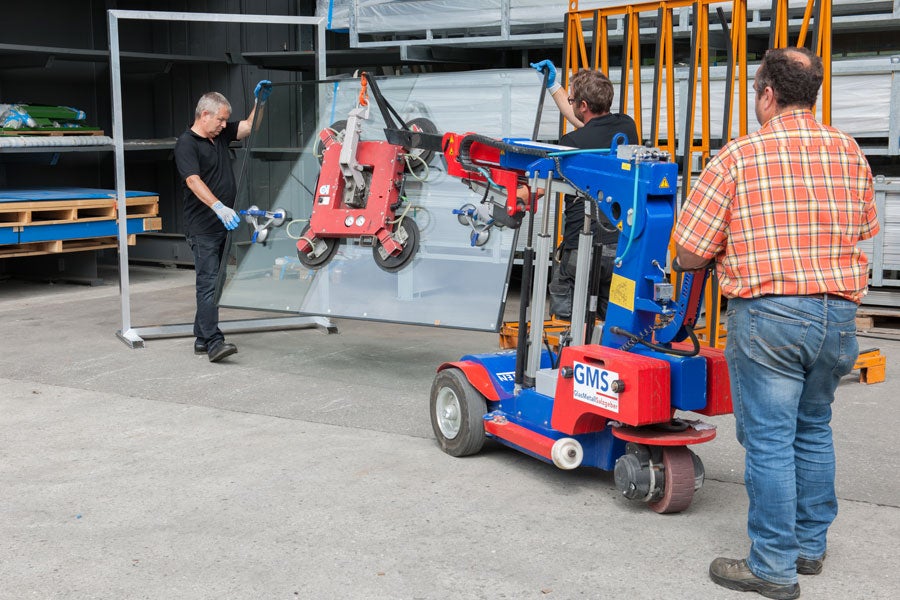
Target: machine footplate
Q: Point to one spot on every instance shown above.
(659, 437)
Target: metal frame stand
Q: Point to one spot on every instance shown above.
(324, 325)
(134, 337)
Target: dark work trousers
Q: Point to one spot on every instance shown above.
(562, 284)
(207, 249)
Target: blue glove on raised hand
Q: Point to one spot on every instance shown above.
(228, 217)
(262, 91)
(552, 84)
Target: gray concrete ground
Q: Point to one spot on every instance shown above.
(305, 467)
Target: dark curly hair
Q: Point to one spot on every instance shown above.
(593, 87)
(794, 74)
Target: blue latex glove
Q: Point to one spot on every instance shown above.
(262, 91)
(228, 217)
(552, 85)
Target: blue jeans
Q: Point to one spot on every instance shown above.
(207, 250)
(786, 355)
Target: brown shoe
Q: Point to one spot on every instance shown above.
(810, 566)
(734, 574)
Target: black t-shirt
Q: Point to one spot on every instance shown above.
(596, 133)
(211, 160)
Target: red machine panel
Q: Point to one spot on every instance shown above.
(383, 169)
(625, 387)
(488, 158)
(718, 384)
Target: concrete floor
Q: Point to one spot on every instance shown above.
(305, 467)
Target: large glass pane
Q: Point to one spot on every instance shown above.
(450, 282)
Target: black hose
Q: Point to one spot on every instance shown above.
(673, 351)
(466, 144)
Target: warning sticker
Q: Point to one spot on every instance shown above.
(621, 291)
(664, 184)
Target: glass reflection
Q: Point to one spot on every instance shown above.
(450, 282)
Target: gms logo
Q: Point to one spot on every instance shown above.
(592, 385)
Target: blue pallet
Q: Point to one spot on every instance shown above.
(75, 231)
(63, 193)
(8, 236)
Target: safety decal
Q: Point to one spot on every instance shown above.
(664, 184)
(621, 291)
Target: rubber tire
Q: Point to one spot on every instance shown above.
(318, 262)
(472, 406)
(319, 148)
(679, 491)
(425, 126)
(392, 264)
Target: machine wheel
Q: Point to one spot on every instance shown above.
(457, 413)
(310, 260)
(567, 453)
(405, 228)
(678, 463)
(338, 127)
(422, 125)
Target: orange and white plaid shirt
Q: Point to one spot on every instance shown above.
(781, 211)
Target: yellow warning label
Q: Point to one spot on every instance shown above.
(621, 292)
(664, 184)
(626, 166)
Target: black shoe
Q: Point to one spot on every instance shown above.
(221, 350)
(810, 566)
(734, 574)
(199, 347)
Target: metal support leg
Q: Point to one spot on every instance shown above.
(539, 290)
(582, 274)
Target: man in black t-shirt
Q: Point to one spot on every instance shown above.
(203, 161)
(590, 97)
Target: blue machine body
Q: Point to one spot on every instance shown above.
(639, 198)
(534, 411)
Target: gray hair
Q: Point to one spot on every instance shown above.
(211, 102)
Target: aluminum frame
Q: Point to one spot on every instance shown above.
(132, 336)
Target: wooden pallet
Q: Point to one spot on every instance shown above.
(871, 363)
(16, 214)
(868, 317)
(509, 333)
(60, 246)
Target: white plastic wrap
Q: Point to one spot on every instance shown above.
(50, 141)
(860, 99)
(390, 16)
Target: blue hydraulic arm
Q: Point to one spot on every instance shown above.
(635, 187)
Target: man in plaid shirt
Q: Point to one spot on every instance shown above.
(780, 212)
